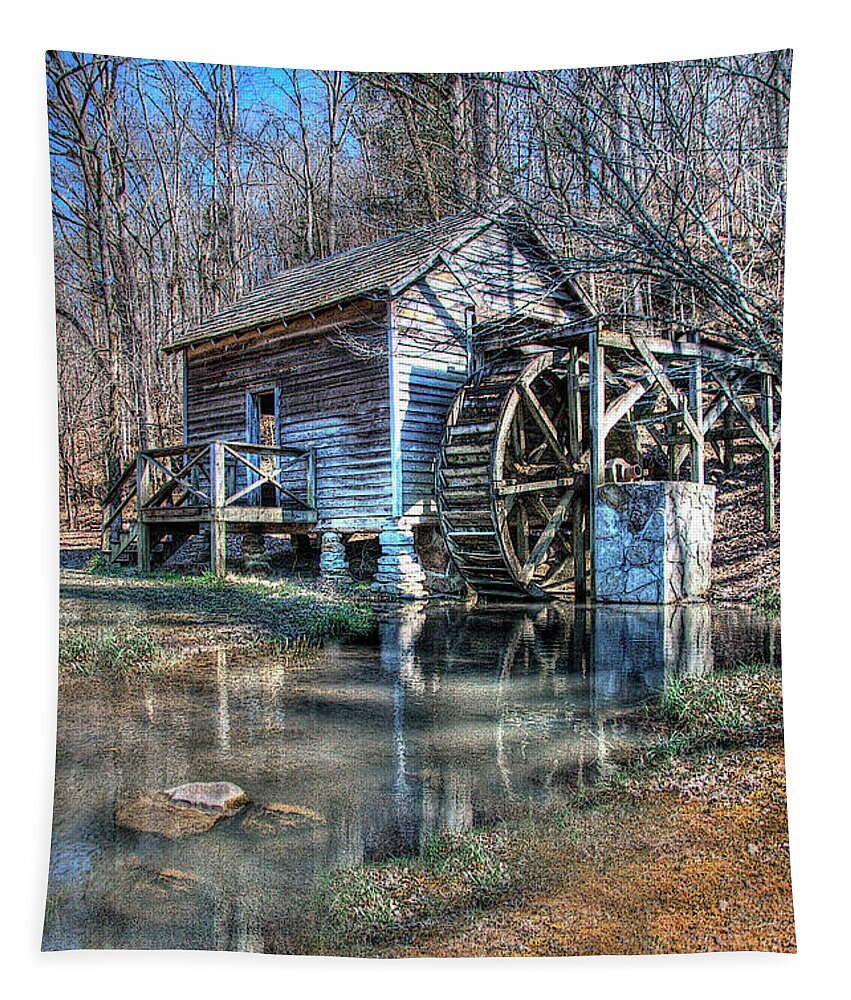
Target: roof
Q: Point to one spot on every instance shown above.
(373, 267)
(384, 266)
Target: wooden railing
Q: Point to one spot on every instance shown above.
(216, 474)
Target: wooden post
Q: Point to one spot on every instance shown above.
(578, 541)
(311, 477)
(767, 408)
(673, 468)
(597, 408)
(143, 531)
(143, 546)
(695, 402)
(729, 443)
(574, 409)
(217, 473)
(218, 526)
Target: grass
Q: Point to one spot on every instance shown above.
(312, 613)
(183, 609)
(53, 907)
(767, 600)
(725, 706)
(109, 652)
(458, 872)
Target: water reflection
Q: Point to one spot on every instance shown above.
(450, 718)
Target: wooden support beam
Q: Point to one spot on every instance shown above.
(217, 473)
(143, 546)
(719, 406)
(579, 542)
(597, 407)
(695, 402)
(218, 546)
(758, 432)
(684, 349)
(143, 533)
(677, 400)
(143, 481)
(574, 409)
(730, 444)
(624, 403)
(767, 414)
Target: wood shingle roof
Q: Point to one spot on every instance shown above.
(369, 269)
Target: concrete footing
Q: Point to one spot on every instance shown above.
(399, 573)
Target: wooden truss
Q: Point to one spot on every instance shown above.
(687, 395)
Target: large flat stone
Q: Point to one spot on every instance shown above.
(180, 812)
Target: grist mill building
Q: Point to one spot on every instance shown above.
(451, 381)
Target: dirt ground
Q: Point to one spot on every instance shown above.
(745, 560)
(692, 865)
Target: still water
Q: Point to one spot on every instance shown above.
(448, 719)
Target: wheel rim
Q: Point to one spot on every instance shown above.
(539, 488)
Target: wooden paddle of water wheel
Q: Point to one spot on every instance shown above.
(512, 478)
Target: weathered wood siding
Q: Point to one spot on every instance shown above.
(334, 391)
(509, 278)
(431, 364)
(495, 276)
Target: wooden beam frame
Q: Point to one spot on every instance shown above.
(596, 409)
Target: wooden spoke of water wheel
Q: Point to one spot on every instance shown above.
(512, 478)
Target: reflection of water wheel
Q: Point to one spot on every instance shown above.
(512, 484)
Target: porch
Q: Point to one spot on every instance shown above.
(165, 495)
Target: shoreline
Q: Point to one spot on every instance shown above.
(684, 851)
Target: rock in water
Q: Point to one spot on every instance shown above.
(182, 811)
(221, 795)
(275, 816)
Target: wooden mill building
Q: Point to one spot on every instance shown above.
(451, 378)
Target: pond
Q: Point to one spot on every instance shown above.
(449, 718)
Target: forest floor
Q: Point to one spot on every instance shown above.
(745, 559)
(685, 850)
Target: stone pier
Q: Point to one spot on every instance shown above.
(254, 557)
(333, 564)
(653, 542)
(399, 573)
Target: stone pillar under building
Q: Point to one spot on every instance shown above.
(333, 564)
(399, 573)
(653, 542)
(254, 558)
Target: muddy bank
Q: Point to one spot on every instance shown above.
(671, 871)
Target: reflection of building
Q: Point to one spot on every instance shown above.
(633, 650)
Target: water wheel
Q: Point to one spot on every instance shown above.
(512, 478)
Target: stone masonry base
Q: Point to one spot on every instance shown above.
(653, 542)
(399, 573)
